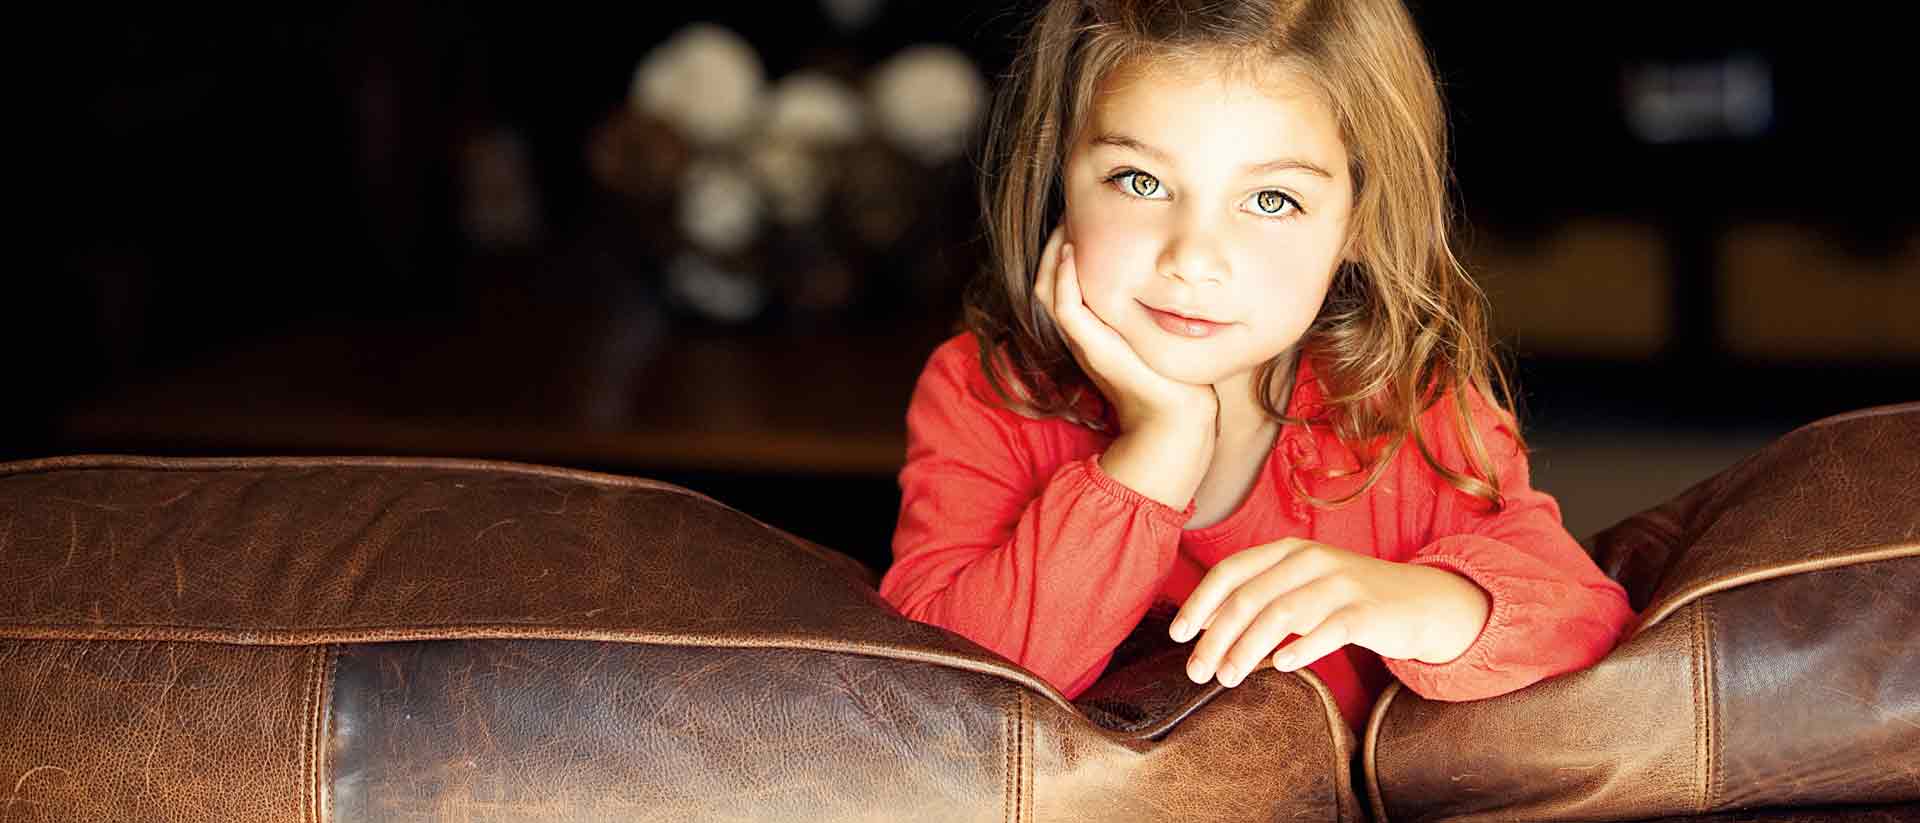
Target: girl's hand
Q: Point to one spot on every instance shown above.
(1141, 396)
(1252, 600)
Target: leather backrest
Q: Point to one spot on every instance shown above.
(387, 639)
(1776, 661)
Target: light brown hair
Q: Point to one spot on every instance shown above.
(1403, 324)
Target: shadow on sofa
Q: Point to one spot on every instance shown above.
(404, 639)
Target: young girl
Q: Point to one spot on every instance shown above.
(1224, 361)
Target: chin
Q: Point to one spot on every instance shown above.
(1197, 365)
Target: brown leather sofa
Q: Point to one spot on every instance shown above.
(439, 640)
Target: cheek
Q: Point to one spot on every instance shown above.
(1108, 258)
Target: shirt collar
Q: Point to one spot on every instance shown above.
(1307, 402)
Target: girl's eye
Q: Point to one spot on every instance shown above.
(1138, 183)
(1270, 202)
(1267, 202)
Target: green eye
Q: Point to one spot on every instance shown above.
(1143, 184)
(1274, 203)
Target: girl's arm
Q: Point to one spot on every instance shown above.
(1049, 562)
(1553, 610)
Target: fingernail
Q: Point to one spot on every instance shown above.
(1180, 631)
(1066, 250)
(1229, 676)
(1195, 673)
(1283, 661)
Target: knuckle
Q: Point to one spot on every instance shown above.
(1337, 630)
(1276, 617)
(1340, 585)
(1242, 560)
(1239, 605)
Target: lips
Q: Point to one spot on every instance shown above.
(1181, 324)
(1188, 315)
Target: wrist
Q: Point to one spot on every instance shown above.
(1166, 464)
(1468, 608)
(1190, 424)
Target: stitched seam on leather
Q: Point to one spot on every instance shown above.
(318, 689)
(515, 631)
(1370, 761)
(1007, 721)
(1342, 759)
(1680, 599)
(305, 740)
(1025, 804)
(323, 784)
(1714, 761)
(1699, 715)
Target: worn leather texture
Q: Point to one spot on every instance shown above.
(354, 639)
(1775, 664)
(369, 639)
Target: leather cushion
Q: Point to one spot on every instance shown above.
(354, 639)
(1774, 663)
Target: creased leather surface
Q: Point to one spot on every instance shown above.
(297, 551)
(1611, 742)
(145, 731)
(1837, 491)
(542, 730)
(1815, 814)
(1217, 764)
(434, 640)
(455, 640)
(1774, 661)
(1198, 739)
(1817, 687)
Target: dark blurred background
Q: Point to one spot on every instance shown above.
(429, 229)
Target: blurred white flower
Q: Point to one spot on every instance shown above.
(713, 291)
(795, 180)
(705, 80)
(812, 106)
(927, 99)
(719, 207)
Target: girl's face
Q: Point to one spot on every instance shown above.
(1196, 191)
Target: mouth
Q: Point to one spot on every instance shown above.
(1188, 315)
(1184, 325)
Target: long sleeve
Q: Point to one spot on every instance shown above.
(1050, 566)
(1553, 610)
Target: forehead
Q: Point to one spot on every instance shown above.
(1219, 109)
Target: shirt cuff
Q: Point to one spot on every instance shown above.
(1131, 498)
(1427, 679)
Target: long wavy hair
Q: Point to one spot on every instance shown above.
(1403, 324)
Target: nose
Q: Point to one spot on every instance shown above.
(1193, 254)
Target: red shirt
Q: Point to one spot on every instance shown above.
(1010, 534)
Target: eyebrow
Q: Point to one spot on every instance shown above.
(1283, 164)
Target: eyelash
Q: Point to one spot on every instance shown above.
(1115, 179)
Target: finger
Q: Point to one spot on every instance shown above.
(1237, 614)
(1223, 579)
(1299, 611)
(1067, 303)
(1088, 337)
(1106, 356)
(1332, 633)
(1049, 260)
